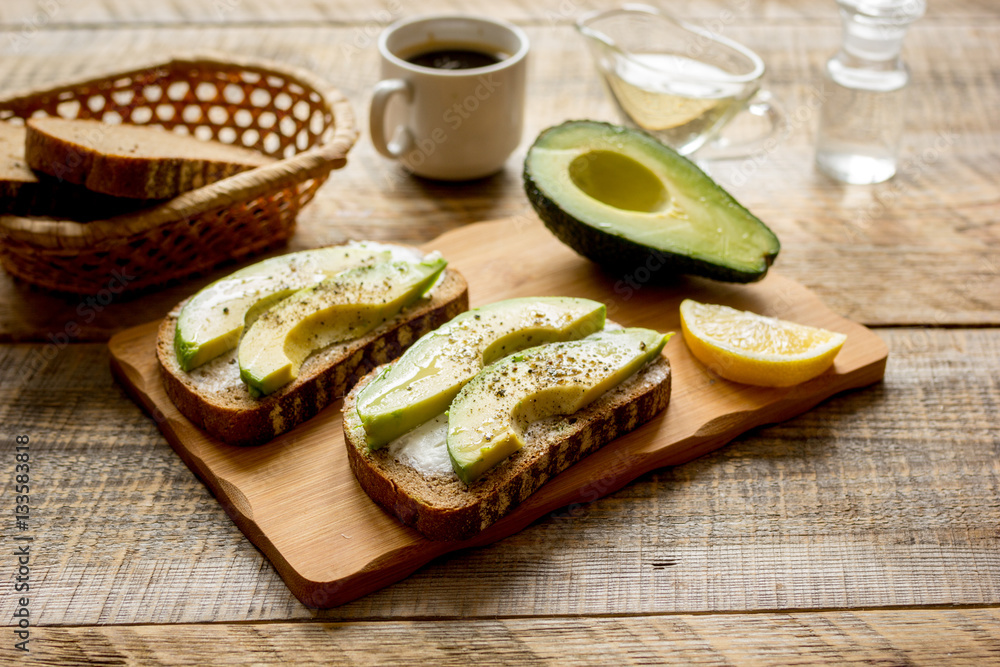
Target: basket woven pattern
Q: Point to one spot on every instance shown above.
(279, 111)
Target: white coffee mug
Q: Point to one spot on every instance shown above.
(450, 124)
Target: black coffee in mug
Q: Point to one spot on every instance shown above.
(452, 56)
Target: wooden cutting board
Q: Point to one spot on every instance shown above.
(297, 500)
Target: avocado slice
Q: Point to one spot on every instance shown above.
(623, 199)
(421, 384)
(211, 322)
(344, 307)
(487, 419)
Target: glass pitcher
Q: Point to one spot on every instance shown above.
(679, 82)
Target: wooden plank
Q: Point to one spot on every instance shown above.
(877, 637)
(82, 14)
(881, 497)
(920, 249)
(338, 545)
(886, 496)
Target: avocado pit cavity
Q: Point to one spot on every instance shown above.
(618, 181)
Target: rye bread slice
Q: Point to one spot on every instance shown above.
(23, 192)
(135, 161)
(215, 399)
(14, 171)
(442, 508)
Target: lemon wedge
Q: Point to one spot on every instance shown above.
(754, 349)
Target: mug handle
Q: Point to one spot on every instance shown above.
(763, 105)
(384, 90)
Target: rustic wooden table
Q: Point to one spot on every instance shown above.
(865, 531)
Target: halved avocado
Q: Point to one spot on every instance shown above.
(625, 200)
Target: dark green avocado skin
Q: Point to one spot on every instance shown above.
(623, 255)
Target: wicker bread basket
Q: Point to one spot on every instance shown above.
(280, 111)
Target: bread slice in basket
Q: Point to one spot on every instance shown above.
(23, 192)
(134, 161)
(214, 398)
(442, 507)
